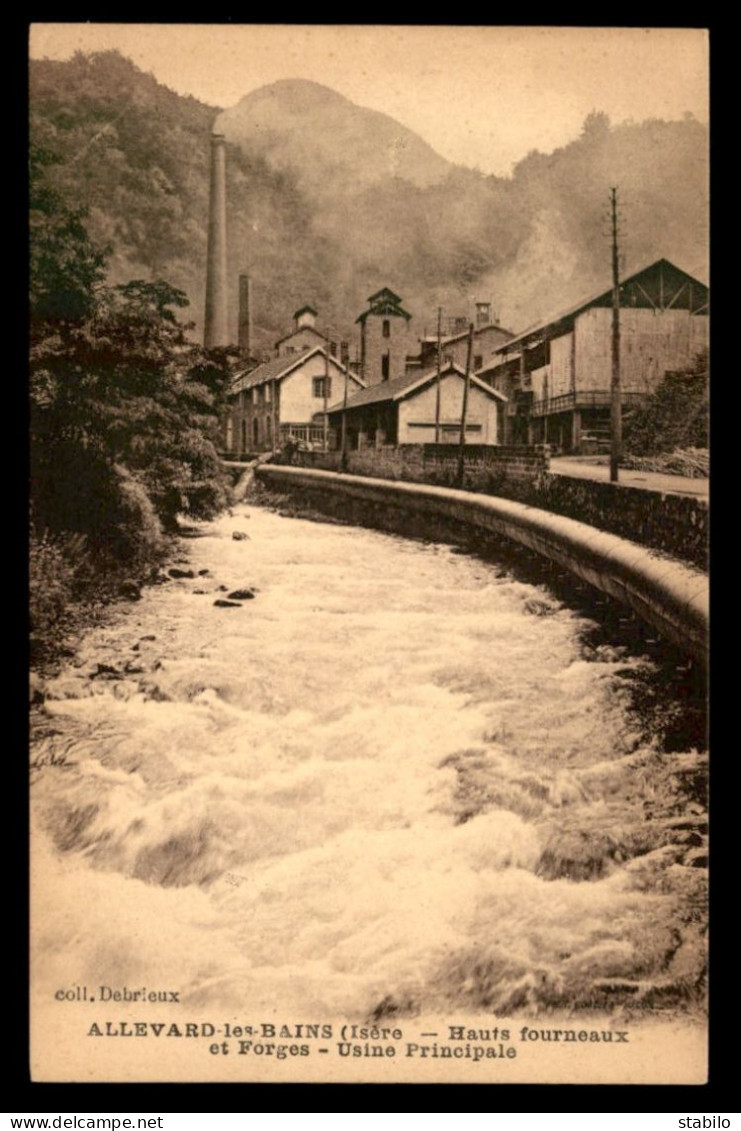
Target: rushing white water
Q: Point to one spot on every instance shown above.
(390, 782)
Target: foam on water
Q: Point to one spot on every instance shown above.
(383, 779)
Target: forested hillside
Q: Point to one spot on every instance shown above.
(124, 419)
(328, 201)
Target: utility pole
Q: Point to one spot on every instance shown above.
(276, 418)
(326, 390)
(616, 418)
(464, 411)
(439, 367)
(343, 458)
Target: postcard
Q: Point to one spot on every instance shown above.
(368, 559)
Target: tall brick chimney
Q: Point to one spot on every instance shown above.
(245, 316)
(216, 332)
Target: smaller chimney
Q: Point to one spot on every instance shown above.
(245, 316)
(483, 313)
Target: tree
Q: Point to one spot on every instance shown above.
(596, 126)
(675, 416)
(125, 387)
(124, 407)
(65, 267)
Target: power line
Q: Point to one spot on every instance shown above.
(616, 420)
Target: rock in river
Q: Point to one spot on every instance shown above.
(130, 590)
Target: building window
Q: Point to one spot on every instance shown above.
(267, 394)
(260, 394)
(256, 431)
(386, 328)
(319, 387)
(244, 435)
(385, 364)
(478, 360)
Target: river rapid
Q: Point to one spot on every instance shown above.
(395, 780)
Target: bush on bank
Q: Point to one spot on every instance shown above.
(124, 417)
(675, 417)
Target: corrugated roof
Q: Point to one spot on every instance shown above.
(402, 387)
(601, 295)
(376, 393)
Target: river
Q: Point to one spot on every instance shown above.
(396, 780)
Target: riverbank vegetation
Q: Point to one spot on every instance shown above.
(670, 432)
(124, 416)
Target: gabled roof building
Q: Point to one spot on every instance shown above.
(284, 399)
(303, 336)
(385, 338)
(557, 373)
(486, 341)
(403, 411)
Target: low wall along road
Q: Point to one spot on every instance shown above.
(671, 523)
(667, 594)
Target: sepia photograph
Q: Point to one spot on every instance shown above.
(369, 505)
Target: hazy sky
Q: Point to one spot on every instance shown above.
(480, 96)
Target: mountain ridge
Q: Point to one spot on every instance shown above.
(302, 123)
(311, 229)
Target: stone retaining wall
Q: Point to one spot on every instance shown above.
(485, 468)
(676, 524)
